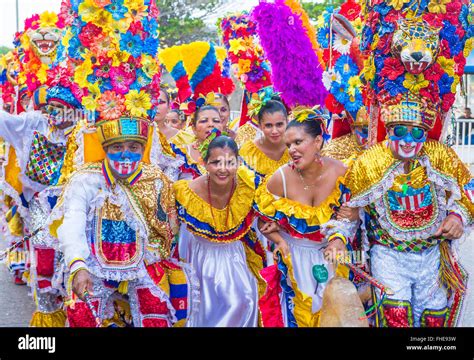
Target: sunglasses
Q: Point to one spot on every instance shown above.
(400, 131)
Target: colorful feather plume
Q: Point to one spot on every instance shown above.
(296, 72)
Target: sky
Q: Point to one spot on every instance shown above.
(26, 9)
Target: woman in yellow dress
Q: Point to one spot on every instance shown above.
(302, 198)
(217, 239)
(206, 118)
(267, 153)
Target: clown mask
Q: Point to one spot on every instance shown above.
(406, 141)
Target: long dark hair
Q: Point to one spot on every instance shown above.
(271, 107)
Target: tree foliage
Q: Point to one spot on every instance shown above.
(4, 50)
(182, 21)
(314, 9)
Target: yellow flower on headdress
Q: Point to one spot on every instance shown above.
(446, 64)
(48, 19)
(87, 9)
(102, 19)
(468, 47)
(137, 103)
(415, 83)
(118, 57)
(102, 3)
(209, 99)
(90, 101)
(438, 6)
(137, 9)
(121, 26)
(369, 69)
(244, 66)
(42, 73)
(149, 66)
(354, 83)
(82, 72)
(397, 4)
(235, 46)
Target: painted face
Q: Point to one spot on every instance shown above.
(207, 121)
(302, 147)
(362, 135)
(124, 158)
(59, 115)
(222, 165)
(273, 126)
(406, 141)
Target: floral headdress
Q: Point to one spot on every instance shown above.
(9, 66)
(302, 114)
(445, 27)
(260, 99)
(204, 147)
(341, 58)
(116, 46)
(41, 45)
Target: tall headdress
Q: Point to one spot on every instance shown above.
(417, 53)
(239, 36)
(116, 47)
(287, 39)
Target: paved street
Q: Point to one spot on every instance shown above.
(16, 306)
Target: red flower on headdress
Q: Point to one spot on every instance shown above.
(434, 72)
(433, 20)
(333, 105)
(384, 43)
(89, 34)
(431, 93)
(32, 22)
(392, 69)
(448, 101)
(444, 49)
(350, 9)
(460, 63)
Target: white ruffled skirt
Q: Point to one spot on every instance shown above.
(229, 291)
(305, 254)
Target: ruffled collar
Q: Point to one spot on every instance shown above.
(256, 160)
(196, 212)
(293, 211)
(190, 165)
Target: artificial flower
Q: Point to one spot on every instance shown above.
(137, 10)
(346, 67)
(102, 44)
(235, 46)
(111, 105)
(369, 70)
(102, 3)
(48, 19)
(118, 57)
(447, 101)
(82, 72)
(446, 64)
(333, 105)
(445, 84)
(88, 9)
(32, 22)
(131, 43)
(103, 19)
(397, 4)
(394, 87)
(340, 93)
(323, 37)
(121, 80)
(392, 68)
(354, 84)
(149, 66)
(329, 77)
(434, 72)
(438, 6)
(350, 10)
(415, 82)
(89, 33)
(138, 103)
(341, 44)
(117, 9)
(89, 102)
(244, 66)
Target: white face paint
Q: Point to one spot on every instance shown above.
(406, 150)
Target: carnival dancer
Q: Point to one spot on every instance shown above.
(268, 153)
(414, 192)
(216, 237)
(205, 119)
(120, 252)
(302, 197)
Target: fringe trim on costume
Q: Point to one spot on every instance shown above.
(449, 274)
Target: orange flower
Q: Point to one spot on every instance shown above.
(111, 105)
